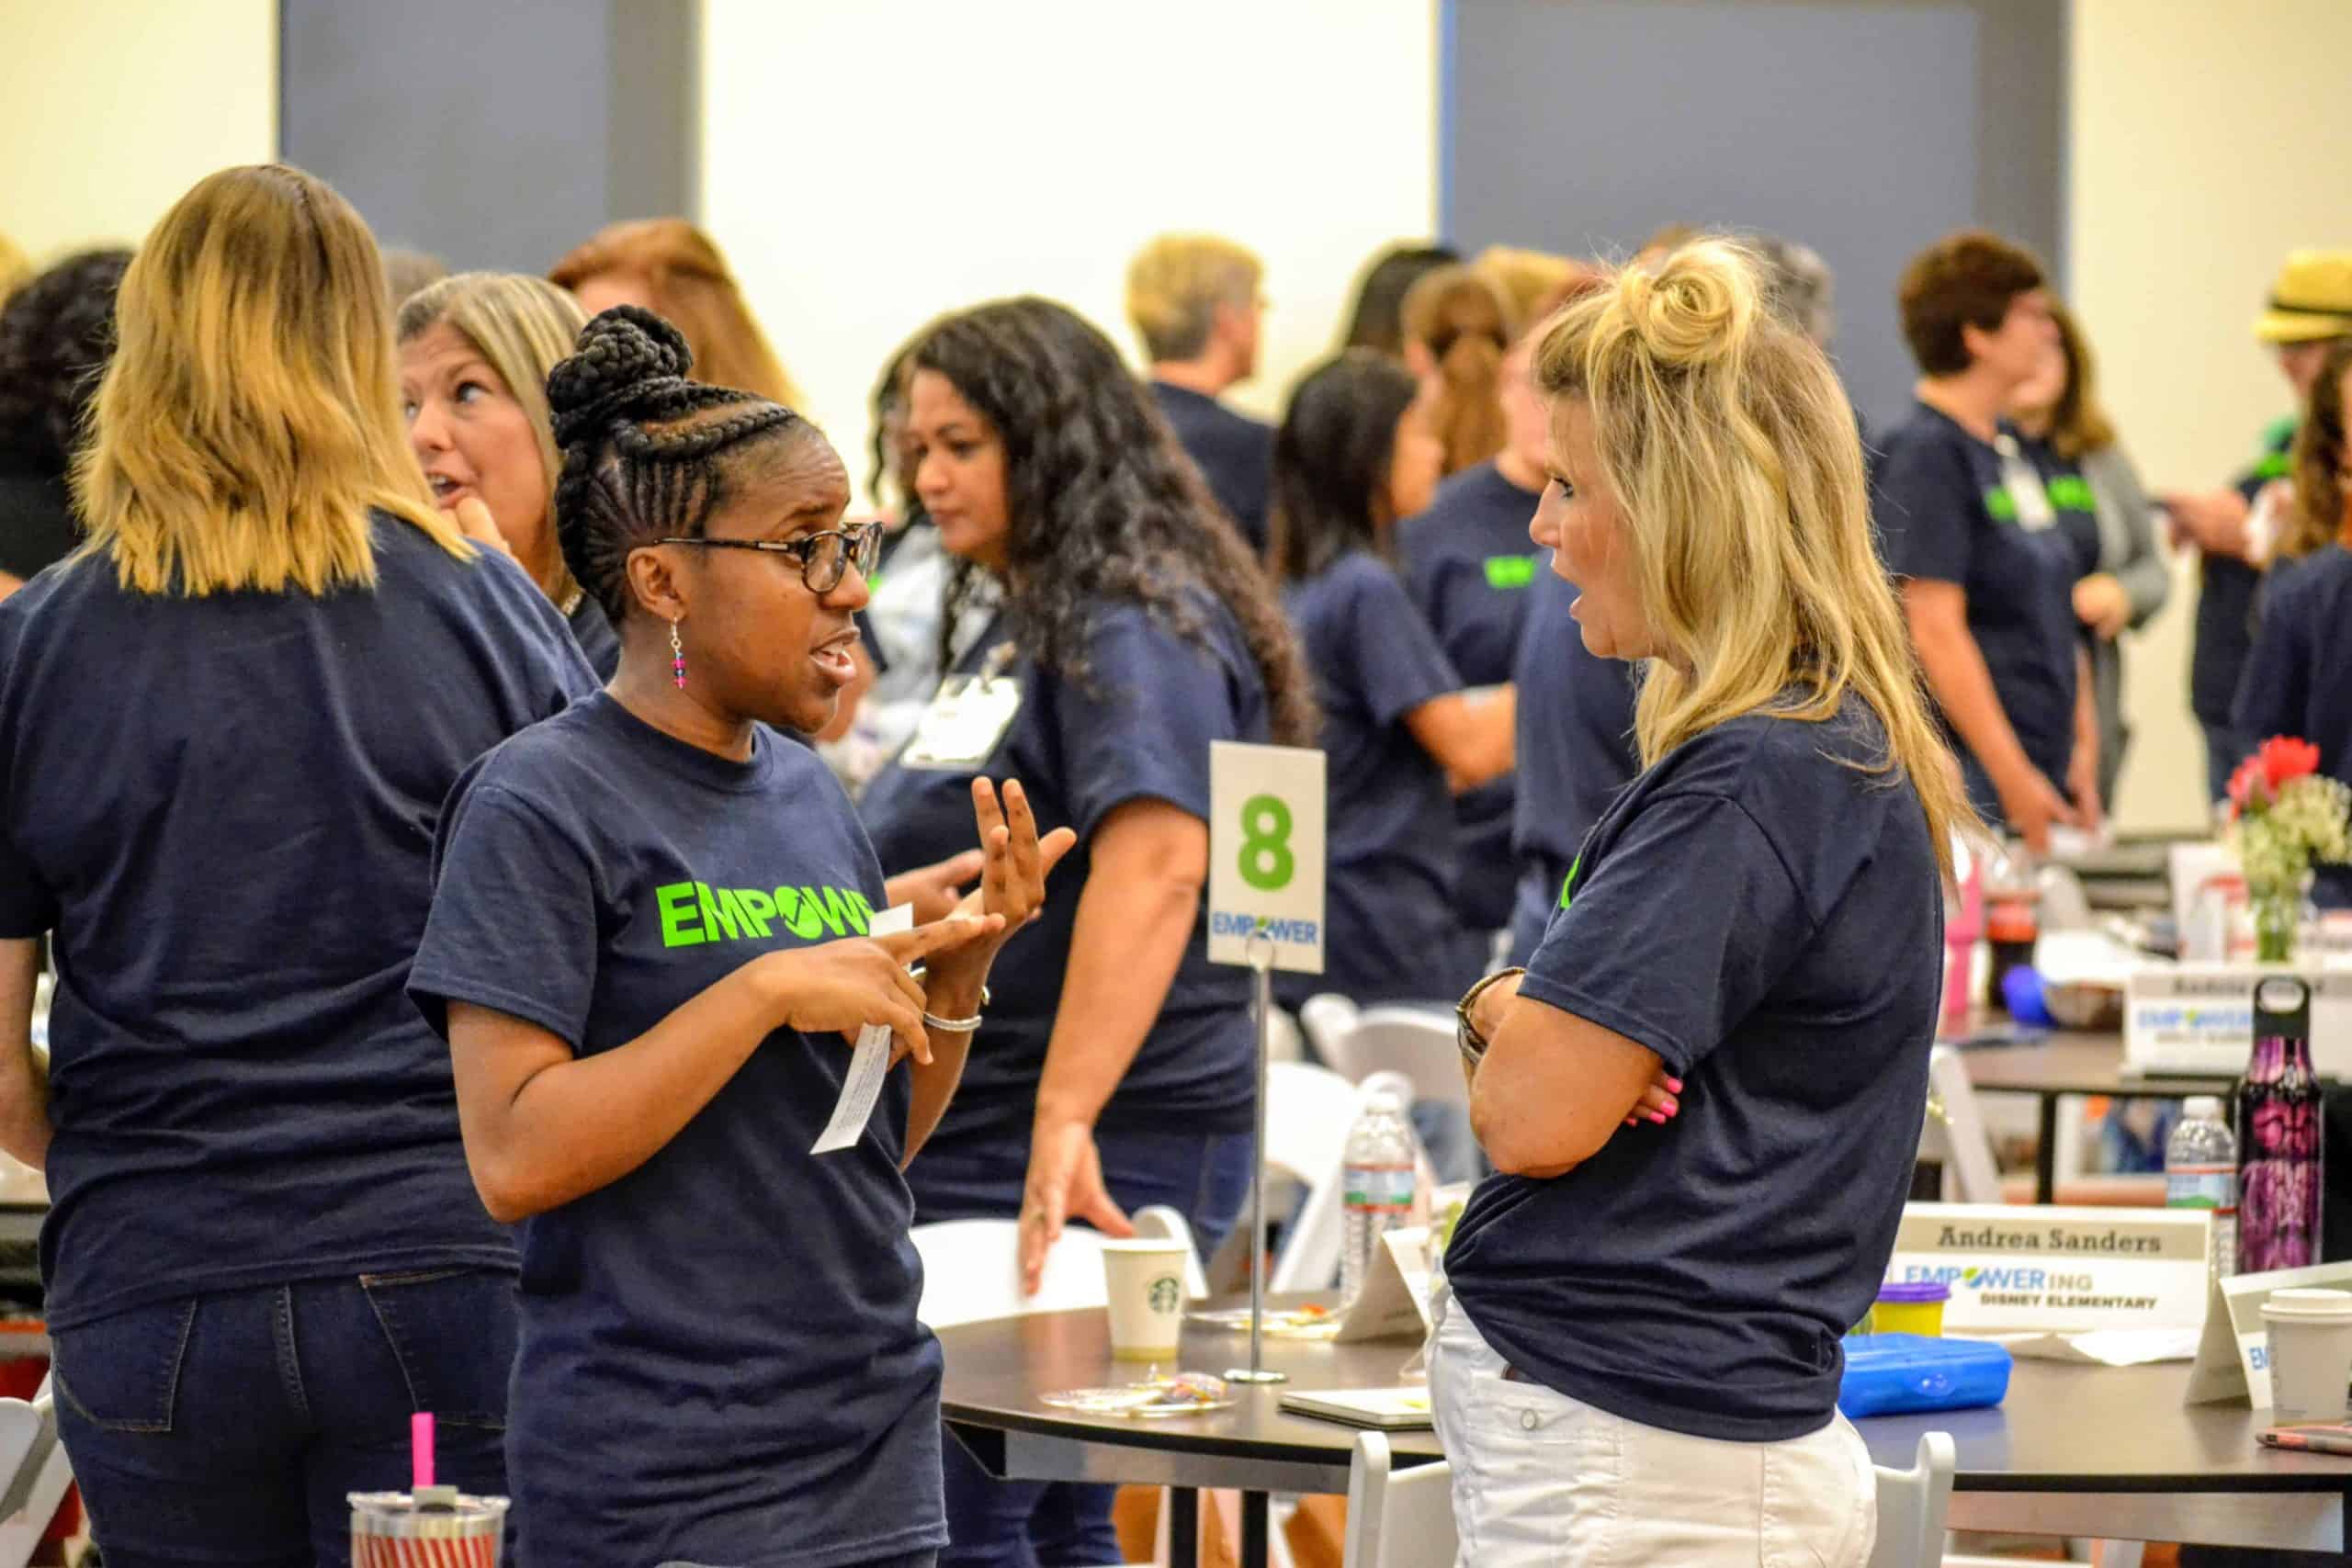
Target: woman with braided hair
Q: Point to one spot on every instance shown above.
(229, 720)
(1134, 628)
(651, 948)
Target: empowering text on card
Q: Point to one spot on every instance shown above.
(1267, 813)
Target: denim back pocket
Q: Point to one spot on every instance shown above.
(452, 1332)
(122, 1372)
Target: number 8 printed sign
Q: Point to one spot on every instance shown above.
(1266, 853)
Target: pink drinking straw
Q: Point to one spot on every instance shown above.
(420, 1446)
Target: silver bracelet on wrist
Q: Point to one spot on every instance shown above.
(954, 1025)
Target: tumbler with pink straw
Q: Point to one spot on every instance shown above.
(427, 1526)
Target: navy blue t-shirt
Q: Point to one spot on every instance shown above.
(223, 808)
(1236, 455)
(600, 644)
(1768, 920)
(1945, 514)
(2225, 599)
(1137, 728)
(2298, 678)
(1391, 931)
(1470, 566)
(719, 1358)
(1576, 746)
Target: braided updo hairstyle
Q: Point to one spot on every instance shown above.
(647, 454)
(1102, 505)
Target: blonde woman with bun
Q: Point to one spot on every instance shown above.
(1458, 326)
(1640, 1356)
(232, 718)
(674, 270)
(475, 352)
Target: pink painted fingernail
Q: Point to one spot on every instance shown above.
(1675, 1085)
(1673, 1107)
(1657, 1118)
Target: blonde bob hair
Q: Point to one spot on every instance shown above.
(521, 326)
(1175, 285)
(251, 419)
(1734, 457)
(691, 287)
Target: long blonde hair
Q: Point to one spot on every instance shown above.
(693, 289)
(1464, 321)
(251, 419)
(521, 326)
(16, 268)
(1733, 451)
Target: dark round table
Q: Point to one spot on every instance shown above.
(2101, 1451)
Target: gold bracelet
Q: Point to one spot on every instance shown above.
(1465, 1034)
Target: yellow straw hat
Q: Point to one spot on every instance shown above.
(2312, 299)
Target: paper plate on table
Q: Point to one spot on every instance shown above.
(1187, 1393)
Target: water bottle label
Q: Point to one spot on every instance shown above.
(1386, 1188)
(2201, 1187)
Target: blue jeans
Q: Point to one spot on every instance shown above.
(227, 1429)
(1205, 1178)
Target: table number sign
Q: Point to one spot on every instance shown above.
(2057, 1269)
(2233, 1357)
(1267, 808)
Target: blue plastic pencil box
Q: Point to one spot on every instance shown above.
(1890, 1374)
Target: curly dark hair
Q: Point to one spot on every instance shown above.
(2317, 464)
(646, 453)
(56, 336)
(1331, 460)
(1103, 505)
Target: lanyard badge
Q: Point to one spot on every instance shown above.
(968, 720)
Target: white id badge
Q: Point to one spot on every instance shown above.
(968, 720)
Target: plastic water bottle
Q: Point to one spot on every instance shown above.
(2201, 1172)
(1378, 1186)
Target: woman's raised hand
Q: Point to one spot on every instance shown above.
(843, 986)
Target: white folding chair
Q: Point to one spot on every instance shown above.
(1911, 1507)
(1415, 1042)
(971, 1272)
(1327, 1017)
(1310, 1255)
(34, 1462)
(1397, 1519)
(1954, 1131)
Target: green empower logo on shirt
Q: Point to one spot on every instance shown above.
(2000, 505)
(1510, 572)
(696, 912)
(2072, 492)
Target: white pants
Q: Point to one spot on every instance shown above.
(1543, 1479)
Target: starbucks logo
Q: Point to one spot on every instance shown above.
(1166, 1296)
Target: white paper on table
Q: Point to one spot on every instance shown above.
(869, 1064)
(2106, 1347)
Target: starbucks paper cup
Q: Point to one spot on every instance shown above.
(434, 1527)
(2310, 1354)
(1146, 1281)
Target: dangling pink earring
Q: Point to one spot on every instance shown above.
(677, 657)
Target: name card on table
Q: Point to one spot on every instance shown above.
(2198, 1019)
(2233, 1357)
(2057, 1269)
(1394, 1300)
(1267, 807)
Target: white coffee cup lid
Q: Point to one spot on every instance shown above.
(2310, 1305)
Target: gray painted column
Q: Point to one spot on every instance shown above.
(494, 133)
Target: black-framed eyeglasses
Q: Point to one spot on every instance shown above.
(824, 557)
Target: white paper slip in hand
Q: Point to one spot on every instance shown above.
(869, 1064)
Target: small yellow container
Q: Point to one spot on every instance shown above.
(1915, 1308)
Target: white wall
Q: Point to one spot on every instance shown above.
(867, 166)
(2207, 141)
(110, 109)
